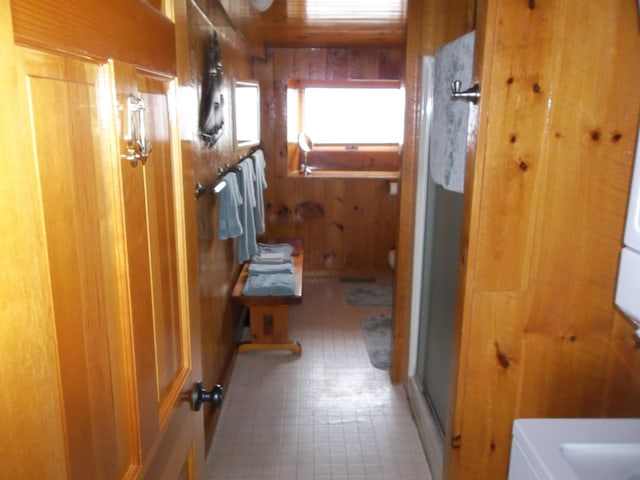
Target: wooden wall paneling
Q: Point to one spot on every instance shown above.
(217, 258)
(390, 63)
(316, 209)
(283, 64)
(544, 339)
(309, 198)
(522, 87)
(333, 255)
(186, 108)
(139, 34)
(363, 63)
(337, 64)
(385, 225)
(497, 362)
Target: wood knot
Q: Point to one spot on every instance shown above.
(595, 135)
(536, 88)
(509, 80)
(616, 137)
(503, 360)
(532, 4)
(339, 226)
(523, 166)
(513, 139)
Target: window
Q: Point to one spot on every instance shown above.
(356, 112)
(354, 125)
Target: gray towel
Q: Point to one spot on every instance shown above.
(229, 225)
(449, 123)
(270, 285)
(247, 245)
(260, 184)
(285, 249)
(263, 268)
(271, 258)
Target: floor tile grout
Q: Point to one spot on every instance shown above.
(326, 415)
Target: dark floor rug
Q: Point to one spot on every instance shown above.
(368, 295)
(377, 338)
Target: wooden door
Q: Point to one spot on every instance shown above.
(97, 332)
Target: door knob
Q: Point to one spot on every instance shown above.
(199, 395)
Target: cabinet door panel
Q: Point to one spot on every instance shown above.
(72, 152)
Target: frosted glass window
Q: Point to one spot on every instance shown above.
(353, 115)
(247, 113)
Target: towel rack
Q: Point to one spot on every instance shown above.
(217, 188)
(222, 171)
(220, 185)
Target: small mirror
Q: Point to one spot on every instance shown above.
(306, 145)
(247, 113)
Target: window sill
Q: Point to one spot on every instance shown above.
(359, 174)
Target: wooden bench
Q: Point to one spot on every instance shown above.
(269, 316)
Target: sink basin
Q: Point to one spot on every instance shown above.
(575, 449)
(597, 461)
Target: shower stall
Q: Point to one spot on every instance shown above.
(444, 132)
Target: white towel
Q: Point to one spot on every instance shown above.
(260, 184)
(449, 123)
(229, 225)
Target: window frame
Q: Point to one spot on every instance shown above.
(356, 157)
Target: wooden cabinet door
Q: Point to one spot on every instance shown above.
(96, 335)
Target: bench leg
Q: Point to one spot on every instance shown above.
(269, 330)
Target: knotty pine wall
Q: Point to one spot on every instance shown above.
(546, 196)
(348, 225)
(217, 266)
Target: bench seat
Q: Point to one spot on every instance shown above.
(269, 315)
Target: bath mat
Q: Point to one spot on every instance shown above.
(367, 295)
(377, 338)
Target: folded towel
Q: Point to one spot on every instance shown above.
(261, 268)
(260, 184)
(229, 225)
(247, 245)
(259, 260)
(270, 285)
(282, 248)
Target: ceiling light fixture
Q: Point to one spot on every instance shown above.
(260, 5)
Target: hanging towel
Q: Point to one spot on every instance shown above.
(449, 124)
(229, 225)
(247, 244)
(260, 184)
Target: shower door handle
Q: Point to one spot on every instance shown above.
(471, 94)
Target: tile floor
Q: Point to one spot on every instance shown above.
(327, 414)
